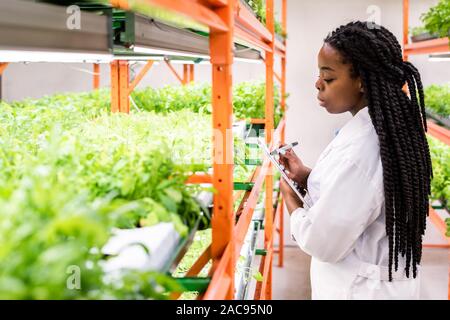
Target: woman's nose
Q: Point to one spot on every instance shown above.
(319, 85)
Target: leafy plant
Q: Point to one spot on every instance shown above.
(416, 31)
(51, 234)
(437, 98)
(249, 99)
(440, 157)
(71, 171)
(67, 182)
(259, 8)
(437, 19)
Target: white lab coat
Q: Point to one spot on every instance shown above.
(344, 230)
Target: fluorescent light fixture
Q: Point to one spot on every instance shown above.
(256, 61)
(146, 50)
(143, 63)
(139, 58)
(47, 56)
(181, 61)
(439, 57)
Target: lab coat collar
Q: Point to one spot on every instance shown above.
(355, 127)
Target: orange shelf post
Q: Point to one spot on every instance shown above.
(405, 27)
(223, 219)
(124, 83)
(191, 73)
(185, 74)
(115, 103)
(96, 83)
(3, 66)
(269, 127)
(120, 101)
(283, 130)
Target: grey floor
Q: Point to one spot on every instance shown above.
(292, 282)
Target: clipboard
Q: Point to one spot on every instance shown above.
(290, 182)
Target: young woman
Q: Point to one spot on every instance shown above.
(369, 189)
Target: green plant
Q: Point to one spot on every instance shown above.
(447, 222)
(440, 157)
(437, 19)
(249, 99)
(416, 31)
(259, 8)
(71, 171)
(437, 99)
(51, 234)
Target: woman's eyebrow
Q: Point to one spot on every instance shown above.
(327, 69)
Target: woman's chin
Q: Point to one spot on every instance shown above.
(323, 104)
(327, 107)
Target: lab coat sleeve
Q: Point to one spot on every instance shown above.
(347, 204)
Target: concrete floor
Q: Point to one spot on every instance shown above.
(292, 282)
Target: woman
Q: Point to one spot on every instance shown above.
(370, 187)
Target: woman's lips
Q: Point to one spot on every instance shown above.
(321, 102)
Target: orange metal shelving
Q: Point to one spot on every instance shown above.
(3, 66)
(439, 132)
(428, 47)
(226, 20)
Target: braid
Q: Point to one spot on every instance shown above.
(400, 122)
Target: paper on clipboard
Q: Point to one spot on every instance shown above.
(306, 204)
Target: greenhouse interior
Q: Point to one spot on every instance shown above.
(224, 150)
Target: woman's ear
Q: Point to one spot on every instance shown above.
(360, 85)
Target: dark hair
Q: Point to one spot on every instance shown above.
(400, 122)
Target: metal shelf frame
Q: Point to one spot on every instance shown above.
(228, 21)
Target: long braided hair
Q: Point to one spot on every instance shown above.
(400, 122)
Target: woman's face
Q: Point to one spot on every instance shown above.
(339, 92)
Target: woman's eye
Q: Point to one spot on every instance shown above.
(328, 80)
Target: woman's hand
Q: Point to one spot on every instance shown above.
(290, 198)
(296, 170)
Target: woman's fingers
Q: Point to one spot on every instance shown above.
(290, 175)
(289, 154)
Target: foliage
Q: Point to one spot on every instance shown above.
(440, 157)
(249, 99)
(71, 171)
(259, 8)
(437, 19)
(437, 99)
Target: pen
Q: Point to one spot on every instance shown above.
(282, 150)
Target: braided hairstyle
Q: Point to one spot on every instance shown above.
(400, 122)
